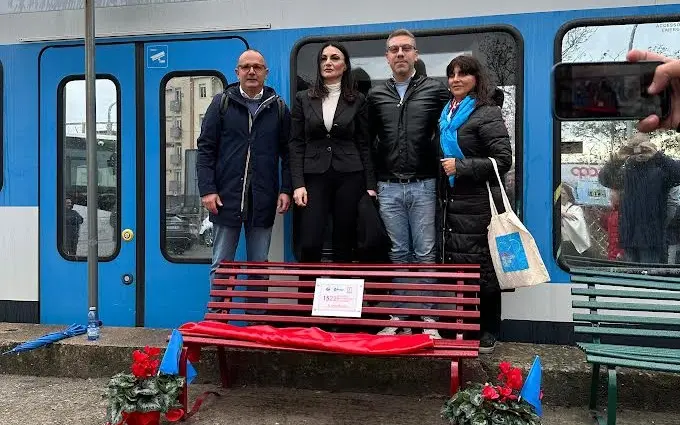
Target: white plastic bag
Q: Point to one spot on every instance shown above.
(514, 253)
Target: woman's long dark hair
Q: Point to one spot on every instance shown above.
(347, 88)
(483, 90)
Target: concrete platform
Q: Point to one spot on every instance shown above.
(565, 373)
(58, 401)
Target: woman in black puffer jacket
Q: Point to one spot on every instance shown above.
(473, 122)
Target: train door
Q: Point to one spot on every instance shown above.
(180, 80)
(63, 184)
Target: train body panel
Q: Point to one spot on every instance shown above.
(39, 138)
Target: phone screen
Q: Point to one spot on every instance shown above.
(610, 90)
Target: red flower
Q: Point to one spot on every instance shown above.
(145, 364)
(505, 392)
(139, 356)
(514, 379)
(504, 367)
(152, 351)
(489, 392)
(540, 395)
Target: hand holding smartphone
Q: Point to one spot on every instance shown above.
(608, 91)
(665, 76)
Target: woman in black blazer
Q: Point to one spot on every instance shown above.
(330, 156)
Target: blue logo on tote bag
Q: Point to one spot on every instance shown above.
(511, 252)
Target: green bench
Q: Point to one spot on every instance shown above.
(639, 310)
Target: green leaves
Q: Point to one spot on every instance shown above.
(126, 394)
(468, 407)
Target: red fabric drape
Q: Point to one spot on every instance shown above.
(312, 338)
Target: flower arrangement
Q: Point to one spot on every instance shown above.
(492, 404)
(139, 398)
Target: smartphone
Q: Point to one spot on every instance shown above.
(607, 91)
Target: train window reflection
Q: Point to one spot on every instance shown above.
(186, 232)
(72, 178)
(499, 52)
(620, 190)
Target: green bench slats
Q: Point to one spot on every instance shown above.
(609, 318)
(637, 357)
(594, 330)
(647, 353)
(647, 295)
(604, 291)
(635, 364)
(663, 285)
(632, 349)
(627, 306)
(578, 274)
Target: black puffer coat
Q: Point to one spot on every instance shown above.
(466, 213)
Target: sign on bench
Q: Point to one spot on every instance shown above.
(338, 297)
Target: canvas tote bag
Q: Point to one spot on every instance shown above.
(514, 253)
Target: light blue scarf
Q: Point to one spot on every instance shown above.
(448, 127)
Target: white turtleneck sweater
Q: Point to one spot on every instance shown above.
(329, 104)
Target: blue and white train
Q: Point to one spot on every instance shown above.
(159, 62)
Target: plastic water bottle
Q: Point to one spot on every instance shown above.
(92, 325)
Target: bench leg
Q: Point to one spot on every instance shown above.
(224, 369)
(611, 396)
(594, 386)
(184, 394)
(455, 376)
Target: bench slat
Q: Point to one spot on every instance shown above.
(636, 356)
(595, 330)
(648, 295)
(465, 351)
(367, 297)
(449, 276)
(625, 281)
(350, 266)
(316, 320)
(670, 353)
(367, 285)
(626, 306)
(636, 364)
(587, 274)
(365, 310)
(646, 320)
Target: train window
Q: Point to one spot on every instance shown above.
(499, 50)
(72, 174)
(186, 233)
(596, 223)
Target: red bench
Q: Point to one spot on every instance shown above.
(456, 288)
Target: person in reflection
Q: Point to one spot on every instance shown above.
(403, 113)
(472, 131)
(644, 176)
(330, 156)
(362, 80)
(610, 222)
(244, 134)
(72, 222)
(575, 233)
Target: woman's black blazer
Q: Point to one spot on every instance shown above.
(313, 149)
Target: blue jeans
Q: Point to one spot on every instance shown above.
(408, 211)
(224, 249)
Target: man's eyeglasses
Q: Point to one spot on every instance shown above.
(406, 48)
(256, 67)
